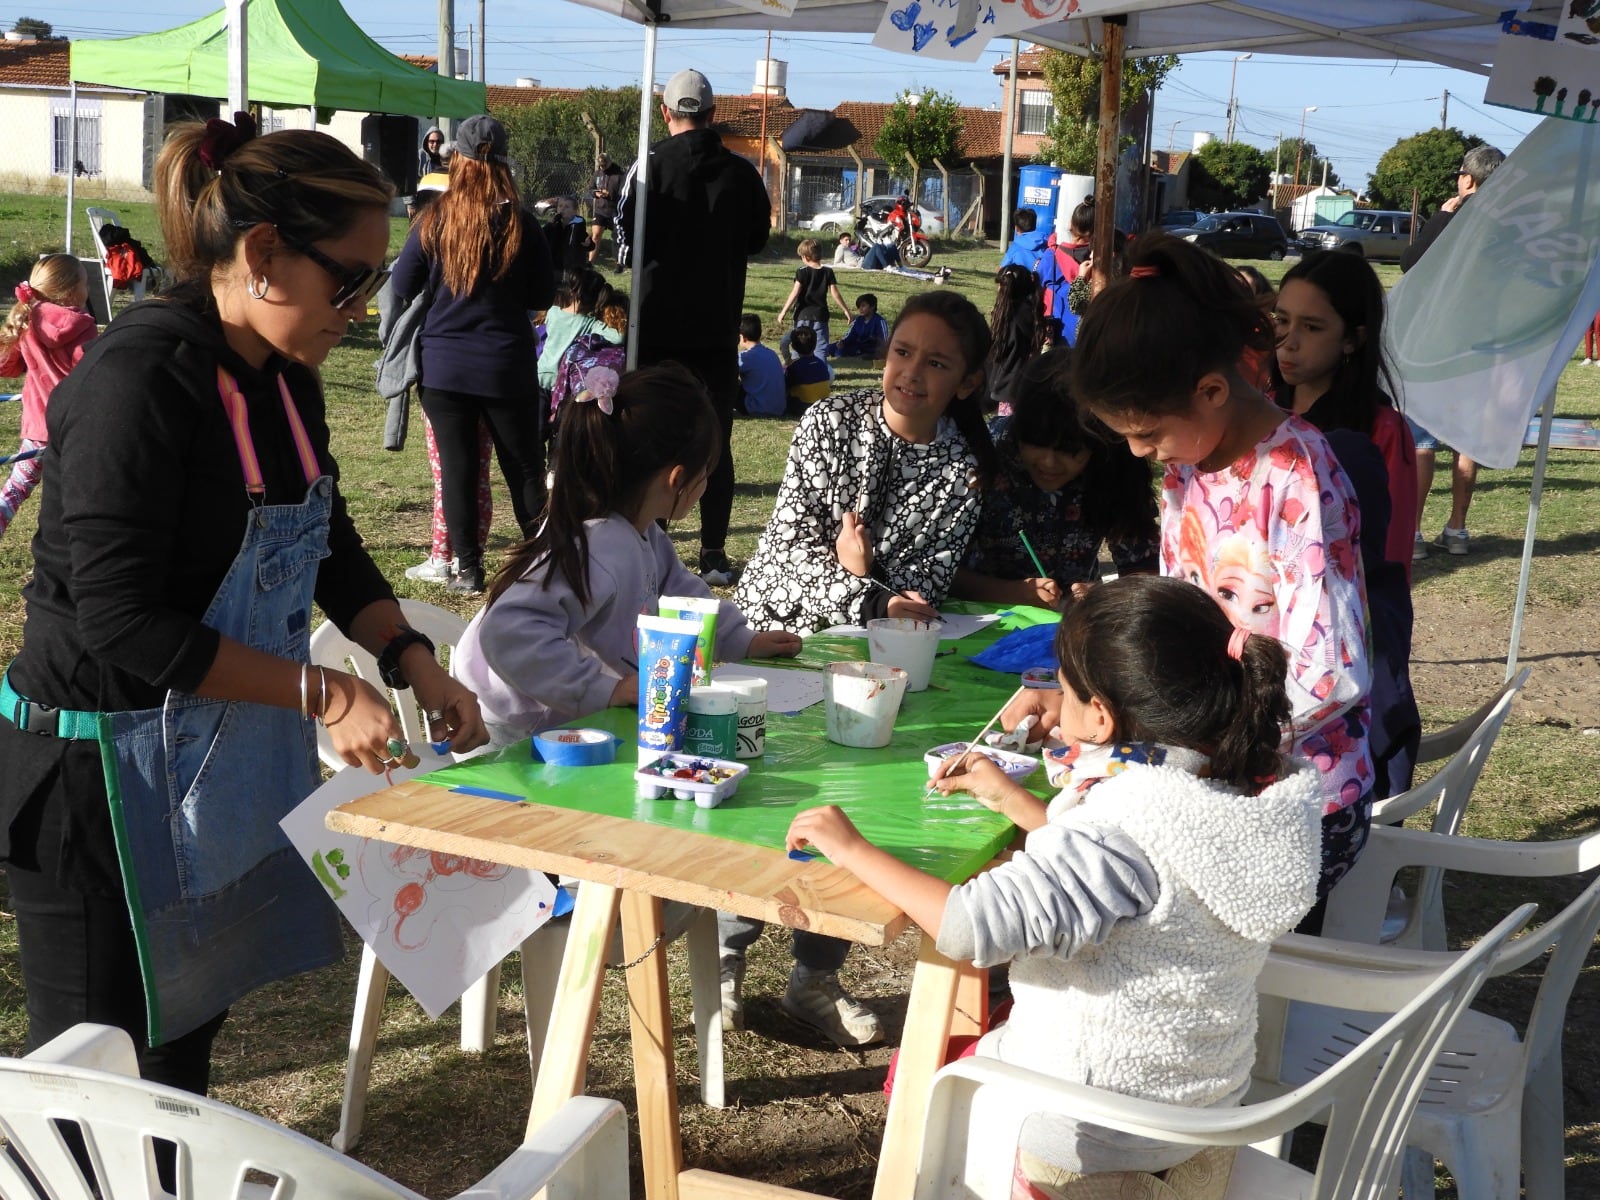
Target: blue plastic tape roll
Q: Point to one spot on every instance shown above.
(576, 747)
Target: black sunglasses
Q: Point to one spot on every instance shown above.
(355, 283)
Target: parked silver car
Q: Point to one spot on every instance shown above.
(1377, 233)
(842, 219)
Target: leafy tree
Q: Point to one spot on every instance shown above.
(926, 130)
(1310, 161)
(1227, 175)
(554, 148)
(1425, 162)
(1071, 141)
(42, 30)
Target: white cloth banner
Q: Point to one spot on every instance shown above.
(1483, 325)
(960, 30)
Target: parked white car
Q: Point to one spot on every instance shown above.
(841, 220)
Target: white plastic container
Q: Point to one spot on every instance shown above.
(861, 701)
(752, 693)
(1017, 766)
(908, 644)
(713, 781)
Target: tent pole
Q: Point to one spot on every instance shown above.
(641, 190)
(238, 57)
(1541, 459)
(1010, 109)
(1103, 240)
(72, 162)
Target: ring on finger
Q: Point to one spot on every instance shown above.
(435, 716)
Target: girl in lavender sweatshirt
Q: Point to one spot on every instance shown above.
(44, 335)
(555, 638)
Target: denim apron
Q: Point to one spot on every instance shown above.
(221, 902)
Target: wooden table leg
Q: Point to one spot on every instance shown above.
(565, 1059)
(934, 987)
(650, 1020)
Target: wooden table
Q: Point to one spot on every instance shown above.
(629, 868)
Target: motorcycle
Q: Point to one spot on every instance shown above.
(906, 237)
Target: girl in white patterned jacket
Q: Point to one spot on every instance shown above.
(1140, 912)
(881, 487)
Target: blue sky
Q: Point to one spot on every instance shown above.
(1363, 105)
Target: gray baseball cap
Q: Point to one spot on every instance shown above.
(689, 93)
(478, 131)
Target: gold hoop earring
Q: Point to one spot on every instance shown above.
(251, 287)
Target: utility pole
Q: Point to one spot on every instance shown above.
(1233, 105)
(472, 47)
(483, 62)
(1444, 111)
(447, 59)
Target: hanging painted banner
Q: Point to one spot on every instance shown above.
(1548, 62)
(1483, 325)
(960, 30)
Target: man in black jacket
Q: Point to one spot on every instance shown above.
(706, 211)
(1476, 167)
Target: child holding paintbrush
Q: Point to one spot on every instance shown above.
(1060, 495)
(1142, 907)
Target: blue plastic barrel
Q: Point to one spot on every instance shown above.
(1038, 185)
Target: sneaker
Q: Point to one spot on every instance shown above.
(431, 570)
(814, 998)
(1454, 541)
(715, 568)
(944, 274)
(1419, 548)
(468, 581)
(732, 992)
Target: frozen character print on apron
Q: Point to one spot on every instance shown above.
(221, 902)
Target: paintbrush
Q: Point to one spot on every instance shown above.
(1028, 546)
(972, 745)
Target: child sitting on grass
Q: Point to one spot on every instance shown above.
(868, 334)
(1140, 912)
(807, 379)
(761, 376)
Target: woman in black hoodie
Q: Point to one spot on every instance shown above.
(159, 718)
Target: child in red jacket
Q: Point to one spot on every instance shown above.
(44, 335)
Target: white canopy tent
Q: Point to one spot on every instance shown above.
(1455, 33)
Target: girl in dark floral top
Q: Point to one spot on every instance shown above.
(1068, 492)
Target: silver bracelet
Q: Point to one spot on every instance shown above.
(322, 701)
(303, 713)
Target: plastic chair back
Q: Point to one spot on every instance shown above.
(1467, 743)
(978, 1106)
(87, 1080)
(331, 649)
(99, 217)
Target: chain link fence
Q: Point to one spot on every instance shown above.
(822, 193)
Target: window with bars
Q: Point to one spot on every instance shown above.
(88, 148)
(1035, 110)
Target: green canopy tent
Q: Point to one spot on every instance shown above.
(302, 53)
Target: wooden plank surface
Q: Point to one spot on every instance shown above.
(672, 864)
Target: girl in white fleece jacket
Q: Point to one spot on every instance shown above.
(1140, 912)
(555, 638)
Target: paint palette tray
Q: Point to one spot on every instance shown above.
(1016, 766)
(706, 781)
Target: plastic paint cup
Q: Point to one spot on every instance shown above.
(861, 701)
(910, 645)
(713, 728)
(752, 694)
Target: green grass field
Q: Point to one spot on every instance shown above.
(803, 1114)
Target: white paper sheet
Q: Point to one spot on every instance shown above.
(956, 626)
(438, 922)
(788, 690)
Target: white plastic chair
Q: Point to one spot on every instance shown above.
(1494, 1099)
(1419, 922)
(978, 1106)
(540, 954)
(104, 216)
(89, 1078)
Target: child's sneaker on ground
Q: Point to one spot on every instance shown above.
(715, 568)
(732, 992)
(431, 570)
(944, 274)
(814, 998)
(1454, 541)
(468, 581)
(1419, 548)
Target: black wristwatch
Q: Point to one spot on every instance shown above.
(389, 661)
